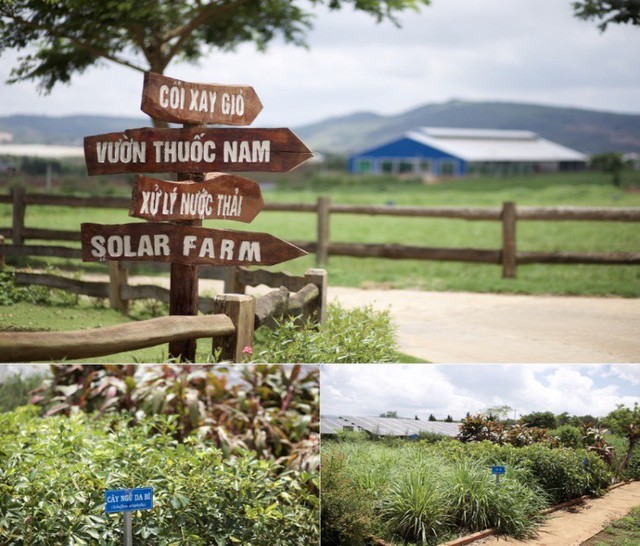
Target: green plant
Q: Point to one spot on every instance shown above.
(350, 336)
(272, 410)
(15, 389)
(569, 436)
(415, 507)
(54, 472)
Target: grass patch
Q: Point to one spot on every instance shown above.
(570, 189)
(622, 532)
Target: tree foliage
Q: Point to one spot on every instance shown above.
(608, 12)
(68, 36)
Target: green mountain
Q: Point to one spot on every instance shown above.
(587, 131)
(68, 130)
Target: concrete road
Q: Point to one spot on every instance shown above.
(458, 327)
(461, 327)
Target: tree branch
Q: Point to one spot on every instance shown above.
(98, 52)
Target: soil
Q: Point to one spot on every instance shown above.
(577, 524)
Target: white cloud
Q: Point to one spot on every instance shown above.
(458, 389)
(521, 50)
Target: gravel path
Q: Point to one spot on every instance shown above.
(571, 527)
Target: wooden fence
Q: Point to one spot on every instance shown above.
(229, 319)
(508, 215)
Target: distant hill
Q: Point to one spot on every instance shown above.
(68, 130)
(587, 131)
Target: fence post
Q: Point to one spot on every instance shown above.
(232, 284)
(241, 309)
(2, 260)
(19, 206)
(508, 217)
(118, 277)
(318, 306)
(322, 250)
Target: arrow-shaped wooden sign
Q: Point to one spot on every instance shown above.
(194, 149)
(220, 197)
(164, 242)
(169, 99)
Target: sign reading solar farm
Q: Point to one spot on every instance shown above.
(194, 150)
(179, 243)
(128, 500)
(220, 196)
(184, 102)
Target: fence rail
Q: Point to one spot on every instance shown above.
(230, 320)
(508, 215)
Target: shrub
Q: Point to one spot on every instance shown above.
(15, 389)
(54, 472)
(346, 511)
(569, 436)
(272, 410)
(415, 507)
(356, 335)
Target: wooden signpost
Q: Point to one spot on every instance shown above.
(178, 243)
(220, 197)
(193, 152)
(184, 102)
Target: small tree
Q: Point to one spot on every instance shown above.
(610, 163)
(390, 414)
(540, 419)
(625, 422)
(449, 419)
(432, 417)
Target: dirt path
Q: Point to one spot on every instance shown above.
(460, 327)
(571, 527)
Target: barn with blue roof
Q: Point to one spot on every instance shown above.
(445, 152)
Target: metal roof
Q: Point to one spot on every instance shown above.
(385, 426)
(493, 145)
(41, 150)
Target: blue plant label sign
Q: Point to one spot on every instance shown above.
(128, 500)
(498, 470)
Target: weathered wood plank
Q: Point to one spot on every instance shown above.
(271, 305)
(241, 309)
(78, 202)
(41, 250)
(602, 214)
(51, 234)
(219, 197)
(270, 278)
(508, 240)
(194, 150)
(614, 258)
(466, 213)
(17, 220)
(86, 288)
(401, 252)
(178, 243)
(174, 100)
(93, 342)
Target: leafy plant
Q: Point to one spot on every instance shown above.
(269, 409)
(54, 472)
(342, 338)
(15, 389)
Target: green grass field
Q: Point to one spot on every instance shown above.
(580, 189)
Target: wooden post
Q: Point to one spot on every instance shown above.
(508, 217)
(319, 306)
(240, 308)
(2, 260)
(118, 277)
(184, 293)
(232, 284)
(19, 206)
(322, 250)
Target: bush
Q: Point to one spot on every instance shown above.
(356, 335)
(54, 471)
(272, 410)
(346, 510)
(569, 436)
(15, 389)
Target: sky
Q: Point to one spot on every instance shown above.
(415, 389)
(515, 50)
